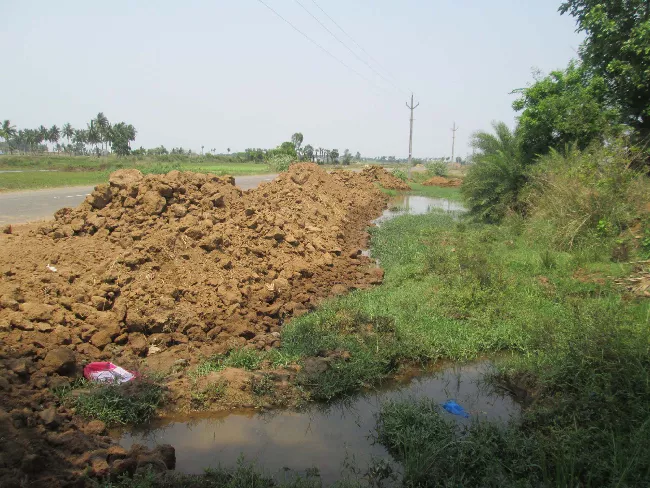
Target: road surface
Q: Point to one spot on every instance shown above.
(26, 206)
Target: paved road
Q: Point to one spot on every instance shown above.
(26, 206)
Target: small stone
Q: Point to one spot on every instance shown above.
(138, 343)
(178, 210)
(339, 290)
(101, 339)
(121, 339)
(37, 311)
(61, 360)
(99, 467)
(153, 203)
(153, 350)
(44, 327)
(50, 418)
(95, 427)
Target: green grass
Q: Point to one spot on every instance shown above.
(436, 191)
(244, 475)
(457, 290)
(84, 170)
(129, 403)
(36, 179)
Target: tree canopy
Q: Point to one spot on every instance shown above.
(617, 48)
(566, 107)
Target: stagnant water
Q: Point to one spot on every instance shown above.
(416, 205)
(326, 438)
(331, 437)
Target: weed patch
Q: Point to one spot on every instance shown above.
(131, 403)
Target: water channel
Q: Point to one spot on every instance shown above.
(323, 437)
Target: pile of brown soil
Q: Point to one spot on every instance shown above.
(165, 267)
(377, 174)
(442, 181)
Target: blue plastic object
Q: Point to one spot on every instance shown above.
(453, 408)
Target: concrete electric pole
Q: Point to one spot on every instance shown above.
(411, 107)
(453, 141)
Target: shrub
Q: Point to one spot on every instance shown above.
(585, 194)
(401, 174)
(280, 162)
(133, 403)
(437, 168)
(492, 185)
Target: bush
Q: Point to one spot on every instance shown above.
(585, 195)
(492, 185)
(280, 162)
(133, 403)
(401, 174)
(437, 168)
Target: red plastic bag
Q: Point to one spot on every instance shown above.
(107, 373)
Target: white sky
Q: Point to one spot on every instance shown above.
(231, 74)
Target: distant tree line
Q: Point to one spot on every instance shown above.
(100, 137)
(295, 150)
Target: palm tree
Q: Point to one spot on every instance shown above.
(7, 131)
(103, 129)
(53, 135)
(93, 136)
(41, 135)
(494, 181)
(80, 138)
(67, 132)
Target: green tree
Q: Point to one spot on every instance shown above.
(93, 136)
(617, 48)
(347, 157)
(334, 156)
(287, 148)
(563, 108)
(53, 135)
(67, 132)
(7, 131)
(308, 153)
(121, 135)
(103, 130)
(493, 182)
(297, 140)
(357, 156)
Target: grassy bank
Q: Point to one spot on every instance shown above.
(58, 171)
(578, 349)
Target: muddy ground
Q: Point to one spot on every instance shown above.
(152, 272)
(443, 182)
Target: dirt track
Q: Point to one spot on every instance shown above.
(159, 268)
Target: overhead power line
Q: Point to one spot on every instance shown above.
(347, 47)
(318, 45)
(356, 43)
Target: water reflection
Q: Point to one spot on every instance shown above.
(417, 205)
(323, 437)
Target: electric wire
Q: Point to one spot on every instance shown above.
(348, 48)
(356, 43)
(318, 45)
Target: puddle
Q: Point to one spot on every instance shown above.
(325, 438)
(416, 205)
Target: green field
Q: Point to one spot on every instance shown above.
(58, 171)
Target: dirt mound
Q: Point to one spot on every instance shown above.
(442, 181)
(169, 267)
(377, 174)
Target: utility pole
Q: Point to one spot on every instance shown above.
(453, 141)
(411, 107)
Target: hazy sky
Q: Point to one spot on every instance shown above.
(231, 74)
